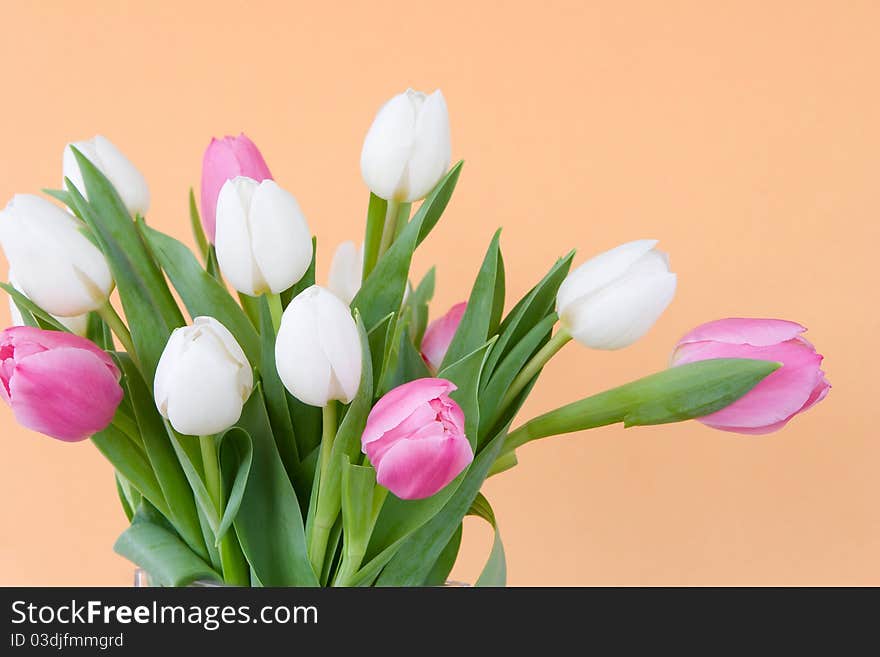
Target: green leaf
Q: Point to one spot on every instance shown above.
(415, 558)
(380, 337)
(465, 374)
(418, 301)
(161, 454)
(236, 456)
(149, 306)
(679, 393)
(482, 307)
(382, 291)
(503, 463)
(128, 496)
(131, 463)
(528, 311)
(443, 566)
(167, 560)
(98, 332)
(269, 523)
(28, 308)
(375, 222)
(493, 391)
(201, 293)
(195, 223)
(358, 484)
(495, 571)
(276, 394)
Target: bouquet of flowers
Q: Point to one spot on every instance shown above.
(289, 434)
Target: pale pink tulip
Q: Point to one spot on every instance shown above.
(415, 439)
(57, 383)
(224, 160)
(792, 389)
(439, 334)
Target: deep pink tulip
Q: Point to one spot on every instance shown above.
(792, 389)
(225, 159)
(415, 439)
(58, 383)
(439, 334)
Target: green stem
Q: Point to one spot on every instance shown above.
(235, 569)
(114, 321)
(275, 309)
(325, 513)
(389, 228)
(534, 366)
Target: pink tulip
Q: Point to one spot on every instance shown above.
(58, 383)
(792, 389)
(439, 334)
(225, 159)
(415, 439)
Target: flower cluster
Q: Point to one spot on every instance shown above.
(287, 433)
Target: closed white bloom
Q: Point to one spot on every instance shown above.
(612, 300)
(346, 270)
(55, 265)
(109, 160)
(407, 149)
(318, 349)
(203, 379)
(263, 242)
(78, 324)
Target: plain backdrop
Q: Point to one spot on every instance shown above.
(744, 136)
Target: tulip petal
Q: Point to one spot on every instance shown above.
(24, 338)
(775, 399)
(299, 355)
(346, 270)
(743, 330)
(387, 147)
(56, 265)
(232, 239)
(204, 391)
(126, 178)
(415, 469)
(599, 271)
(431, 149)
(66, 393)
(279, 236)
(622, 312)
(400, 402)
(340, 344)
(438, 336)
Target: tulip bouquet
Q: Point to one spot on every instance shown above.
(289, 434)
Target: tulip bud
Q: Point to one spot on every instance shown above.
(109, 160)
(415, 439)
(263, 242)
(439, 334)
(78, 324)
(407, 149)
(56, 383)
(318, 349)
(793, 388)
(203, 379)
(224, 160)
(57, 267)
(346, 270)
(613, 299)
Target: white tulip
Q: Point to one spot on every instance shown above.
(109, 160)
(346, 270)
(78, 324)
(56, 266)
(318, 349)
(263, 242)
(612, 300)
(407, 149)
(203, 379)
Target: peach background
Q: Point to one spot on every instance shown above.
(744, 135)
